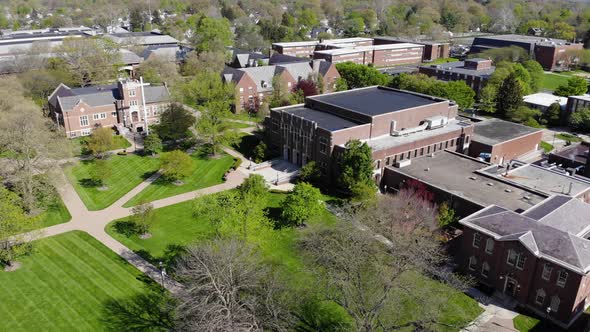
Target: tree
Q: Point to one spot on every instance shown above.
(33, 143)
(341, 84)
(461, 93)
(229, 288)
(446, 216)
(525, 115)
(304, 202)
(175, 122)
(212, 34)
(39, 84)
(553, 114)
(487, 98)
(307, 87)
(90, 60)
(158, 70)
(100, 142)
(143, 217)
(176, 165)
(357, 164)
(358, 76)
(152, 144)
(13, 223)
(259, 153)
(211, 123)
(575, 86)
(248, 36)
(536, 73)
(509, 96)
(210, 62)
(580, 120)
(137, 19)
(511, 53)
(310, 172)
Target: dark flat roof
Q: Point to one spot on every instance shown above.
(578, 152)
(494, 131)
(376, 100)
(324, 120)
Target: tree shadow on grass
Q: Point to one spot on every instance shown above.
(149, 311)
(89, 183)
(126, 227)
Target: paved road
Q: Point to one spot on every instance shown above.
(94, 222)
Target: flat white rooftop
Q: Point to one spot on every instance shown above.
(544, 99)
(351, 50)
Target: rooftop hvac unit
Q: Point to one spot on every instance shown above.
(403, 163)
(436, 122)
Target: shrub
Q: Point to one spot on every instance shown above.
(237, 163)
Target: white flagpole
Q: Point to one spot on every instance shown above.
(145, 116)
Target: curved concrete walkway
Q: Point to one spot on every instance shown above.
(94, 222)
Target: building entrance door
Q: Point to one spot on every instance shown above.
(135, 117)
(510, 286)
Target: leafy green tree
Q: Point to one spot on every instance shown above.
(176, 165)
(143, 216)
(39, 84)
(553, 114)
(446, 216)
(357, 165)
(525, 115)
(100, 142)
(461, 93)
(152, 144)
(90, 60)
(580, 120)
(358, 76)
(511, 53)
(310, 172)
(13, 223)
(536, 73)
(487, 98)
(212, 34)
(211, 123)
(305, 201)
(175, 122)
(509, 96)
(575, 86)
(259, 153)
(137, 19)
(159, 71)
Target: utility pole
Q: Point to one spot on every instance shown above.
(145, 120)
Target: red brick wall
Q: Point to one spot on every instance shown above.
(548, 56)
(72, 118)
(507, 150)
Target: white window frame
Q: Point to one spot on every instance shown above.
(520, 261)
(490, 245)
(241, 89)
(323, 142)
(472, 263)
(84, 122)
(513, 254)
(476, 240)
(540, 293)
(85, 132)
(562, 278)
(546, 275)
(132, 93)
(133, 103)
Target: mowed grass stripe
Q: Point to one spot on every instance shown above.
(126, 173)
(63, 286)
(206, 172)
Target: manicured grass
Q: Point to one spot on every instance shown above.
(55, 213)
(524, 323)
(245, 117)
(546, 146)
(569, 137)
(126, 173)
(443, 60)
(551, 81)
(236, 125)
(64, 286)
(206, 172)
(80, 144)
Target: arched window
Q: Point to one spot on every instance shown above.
(485, 269)
(472, 262)
(540, 298)
(490, 245)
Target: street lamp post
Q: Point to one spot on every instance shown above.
(250, 166)
(548, 312)
(162, 272)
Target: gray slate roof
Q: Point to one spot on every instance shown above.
(542, 240)
(564, 213)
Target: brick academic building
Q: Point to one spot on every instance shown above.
(398, 125)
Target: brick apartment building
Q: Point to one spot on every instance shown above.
(398, 125)
(79, 110)
(499, 141)
(552, 54)
(254, 84)
(432, 50)
(474, 72)
(540, 258)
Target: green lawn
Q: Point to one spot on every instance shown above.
(55, 213)
(79, 145)
(236, 125)
(443, 60)
(569, 137)
(175, 227)
(206, 172)
(126, 173)
(551, 81)
(245, 117)
(64, 286)
(546, 146)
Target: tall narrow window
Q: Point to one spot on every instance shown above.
(472, 263)
(511, 257)
(476, 240)
(323, 145)
(132, 93)
(84, 120)
(490, 245)
(485, 269)
(561, 278)
(540, 297)
(554, 304)
(520, 261)
(547, 271)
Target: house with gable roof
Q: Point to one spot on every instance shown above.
(79, 110)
